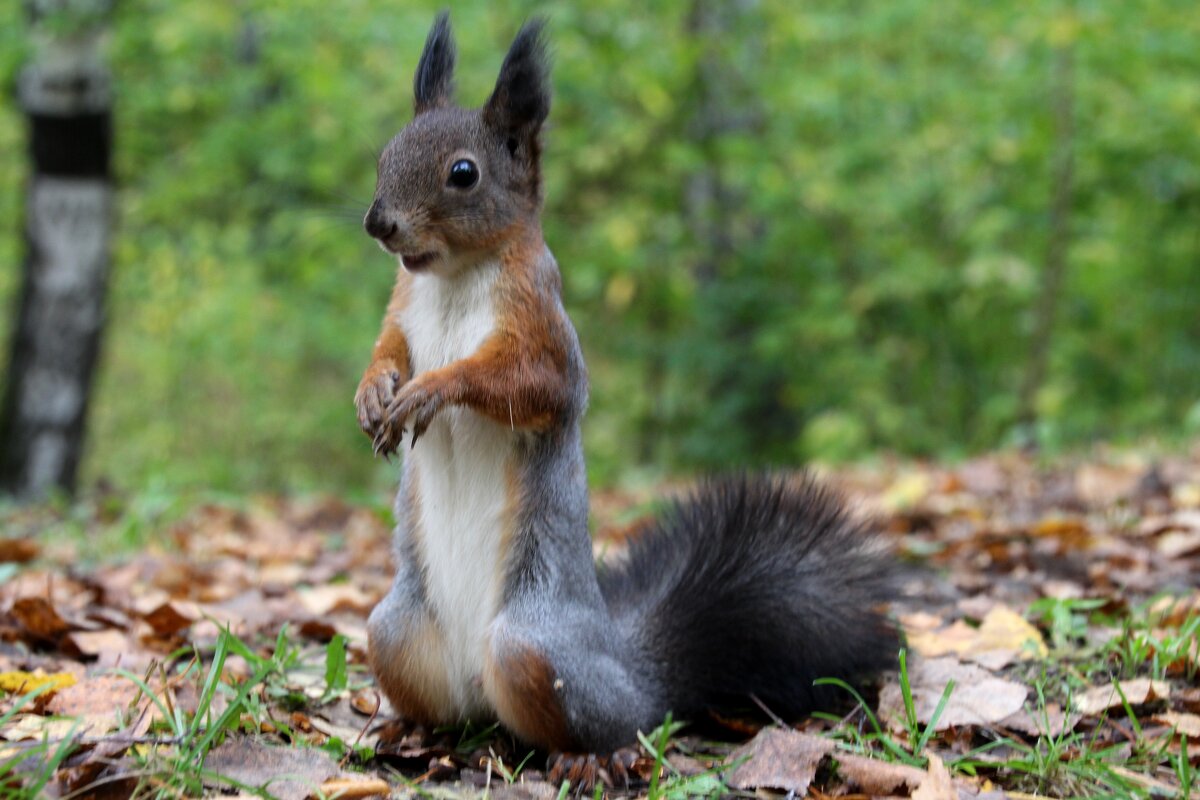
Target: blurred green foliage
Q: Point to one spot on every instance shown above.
(805, 230)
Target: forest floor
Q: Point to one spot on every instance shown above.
(1051, 617)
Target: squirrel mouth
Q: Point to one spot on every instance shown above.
(418, 261)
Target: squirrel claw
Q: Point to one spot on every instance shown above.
(585, 771)
(414, 408)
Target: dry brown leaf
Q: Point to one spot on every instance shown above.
(324, 599)
(1154, 786)
(319, 629)
(877, 777)
(94, 643)
(173, 616)
(1052, 722)
(1002, 638)
(779, 758)
(1189, 699)
(365, 701)
(1175, 611)
(289, 773)
(20, 551)
(1067, 530)
(1185, 724)
(1137, 692)
(35, 726)
(978, 698)
(1178, 544)
(98, 703)
(521, 790)
(347, 788)
(39, 618)
(1103, 484)
(937, 784)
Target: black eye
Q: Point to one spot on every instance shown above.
(463, 174)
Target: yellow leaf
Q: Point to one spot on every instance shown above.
(906, 491)
(21, 682)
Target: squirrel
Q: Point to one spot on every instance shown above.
(750, 588)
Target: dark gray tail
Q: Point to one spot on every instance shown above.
(756, 585)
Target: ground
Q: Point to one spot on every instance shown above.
(1051, 613)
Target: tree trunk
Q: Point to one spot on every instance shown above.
(65, 93)
(750, 421)
(1059, 239)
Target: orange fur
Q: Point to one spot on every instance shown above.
(521, 685)
(413, 675)
(519, 375)
(391, 348)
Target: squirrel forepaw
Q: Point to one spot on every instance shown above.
(416, 405)
(375, 394)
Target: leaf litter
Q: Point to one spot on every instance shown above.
(1051, 620)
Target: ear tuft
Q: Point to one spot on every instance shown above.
(433, 84)
(520, 102)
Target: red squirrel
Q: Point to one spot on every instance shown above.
(750, 587)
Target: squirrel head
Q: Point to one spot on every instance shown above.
(457, 184)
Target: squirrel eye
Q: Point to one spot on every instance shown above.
(463, 174)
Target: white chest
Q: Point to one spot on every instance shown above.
(448, 318)
(462, 468)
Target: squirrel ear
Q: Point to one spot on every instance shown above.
(520, 102)
(433, 85)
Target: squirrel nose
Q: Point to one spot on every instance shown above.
(377, 226)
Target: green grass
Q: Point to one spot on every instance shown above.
(917, 735)
(45, 756)
(666, 782)
(175, 767)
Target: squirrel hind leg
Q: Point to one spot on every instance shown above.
(526, 693)
(568, 694)
(406, 655)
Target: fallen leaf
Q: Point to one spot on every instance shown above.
(1137, 692)
(1152, 785)
(22, 682)
(35, 726)
(93, 643)
(1051, 721)
(322, 600)
(19, 551)
(779, 758)
(1175, 611)
(288, 773)
(878, 777)
(37, 616)
(936, 784)
(1185, 724)
(1068, 530)
(365, 701)
(98, 703)
(525, 791)
(1102, 484)
(978, 698)
(173, 616)
(906, 491)
(1002, 638)
(1178, 544)
(352, 787)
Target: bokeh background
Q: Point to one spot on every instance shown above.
(788, 230)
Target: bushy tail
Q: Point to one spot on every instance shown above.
(755, 585)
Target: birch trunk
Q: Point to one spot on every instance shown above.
(66, 95)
